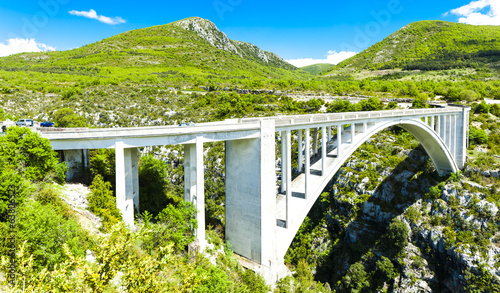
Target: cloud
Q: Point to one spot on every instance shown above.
(333, 57)
(480, 12)
(17, 45)
(92, 14)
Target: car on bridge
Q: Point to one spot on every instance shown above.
(25, 122)
(47, 124)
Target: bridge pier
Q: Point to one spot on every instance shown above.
(127, 181)
(300, 163)
(194, 185)
(251, 201)
(78, 162)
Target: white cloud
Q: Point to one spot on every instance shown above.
(333, 57)
(92, 14)
(17, 45)
(480, 12)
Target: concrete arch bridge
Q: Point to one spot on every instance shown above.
(260, 222)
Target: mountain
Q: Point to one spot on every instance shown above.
(317, 69)
(430, 45)
(190, 46)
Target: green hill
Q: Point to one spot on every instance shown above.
(192, 46)
(317, 69)
(431, 45)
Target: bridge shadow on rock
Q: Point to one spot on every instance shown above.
(357, 217)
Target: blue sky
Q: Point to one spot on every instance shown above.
(305, 32)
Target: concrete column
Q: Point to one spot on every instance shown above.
(251, 198)
(462, 137)
(432, 122)
(443, 128)
(329, 133)
(283, 161)
(353, 132)
(315, 141)
(194, 184)
(134, 154)
(449, 132)
(426, 120)
(127, 181)
(454, 136)
(289, 175)
(301, 154)
(365, 127)
(323, 150)
(339, 140)
(308, 160)
(438, 125)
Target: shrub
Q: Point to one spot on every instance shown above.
(483, 108)
(397, 234)
(384, 270)
(478, 136)
(30, 154)
(102, 162)
(356, 279)
(103, 203)
(46, 230)
(420, 102)
(175, 225)
(154, 185)
(66, 117)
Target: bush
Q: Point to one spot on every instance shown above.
(102, 162)
(371, 104)
(31, 155)
(175, 225)
(66, 117)
(384, 270)
(154, 185)
(397, 234)
(420, 102)
(356, 278)
(46, 230)
(103, 203)
(483, 108)
(478, 136)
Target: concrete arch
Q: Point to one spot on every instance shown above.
(432, 143)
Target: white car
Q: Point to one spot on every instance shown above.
(24, 122)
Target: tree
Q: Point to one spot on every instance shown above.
(66, 117)
(478, 136)
(371, 104)
(397, 234)
(103, 203)
(102, 162)
(356, 278)
(483, 108)
(154, 185)
(384, 270)
(420, 102)
(31, 155)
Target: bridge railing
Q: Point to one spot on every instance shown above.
(333, 117)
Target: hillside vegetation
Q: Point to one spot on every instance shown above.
(191, 47)
(431, 45)
(317, 69)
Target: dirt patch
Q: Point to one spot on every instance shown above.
(75, 195)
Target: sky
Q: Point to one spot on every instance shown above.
(301, 32)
